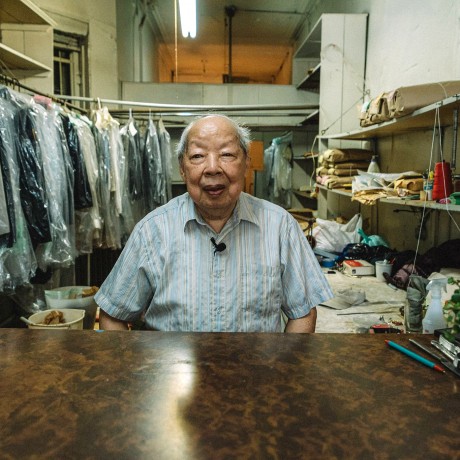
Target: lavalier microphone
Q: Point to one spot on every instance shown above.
(218, 247)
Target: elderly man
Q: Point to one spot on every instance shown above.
(215, 259)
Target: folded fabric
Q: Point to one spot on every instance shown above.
(376, 111)
(414, 185)
(341, 155)
(337, 182)
(322, 171)
(343, 172)
(350, 165)
(406, 99)
(368, 197)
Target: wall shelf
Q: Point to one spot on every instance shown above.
(423, 118)
(19, 63)
(311, 119)
(312, 80)
(23, 12)
(311, 46)
(400, 201)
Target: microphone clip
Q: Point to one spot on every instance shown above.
(218, 247)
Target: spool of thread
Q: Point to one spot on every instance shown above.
(442, 186)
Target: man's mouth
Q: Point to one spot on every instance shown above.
(214, 189)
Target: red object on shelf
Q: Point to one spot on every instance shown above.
(442, 186)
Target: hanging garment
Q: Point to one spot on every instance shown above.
(111, 159)
(166, 158)
(17, 258)
(31, 177)
(7, 233)
(153, 169)
(278, 176)
(131, 146)
(4, 218)
(59, 252)
(82, 192)
(89, 221)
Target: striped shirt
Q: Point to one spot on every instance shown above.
(170, 272)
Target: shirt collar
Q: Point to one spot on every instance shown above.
(243, 211)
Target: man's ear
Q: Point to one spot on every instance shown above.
(248, 161)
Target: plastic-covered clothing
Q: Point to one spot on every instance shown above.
(60, 252)
(278, 176)
(82, 192)
(153, 171)
(88, 220)
(17, 258)
(31, 177)
(166, 158)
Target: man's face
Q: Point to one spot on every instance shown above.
(214, 166)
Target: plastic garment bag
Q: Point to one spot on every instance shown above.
(82, 191)
(88, 220)
(60, 252)
(133, 180)
(278, 178)
(8, 233)
(17, 258)
(4, 217)
(110, 153)
(166, 158)
(153, 169)
(31, 177)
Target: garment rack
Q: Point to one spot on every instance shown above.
(178, 108)
(14, 82)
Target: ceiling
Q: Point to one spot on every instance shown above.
(262, 36)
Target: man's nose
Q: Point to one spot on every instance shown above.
(212, 163)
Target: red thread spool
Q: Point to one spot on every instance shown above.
(442, 186)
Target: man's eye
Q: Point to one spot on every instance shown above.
(196, 156)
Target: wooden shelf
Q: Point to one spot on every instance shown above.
(400, 201)
(23, 12)
(303, 157)
(19, 63)
(422, 204)
(337, 191)
(423, 118)
(304, 194)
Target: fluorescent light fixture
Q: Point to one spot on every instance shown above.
(188, 18)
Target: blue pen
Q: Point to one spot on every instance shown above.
(415, 356)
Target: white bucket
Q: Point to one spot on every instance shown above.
(73, 319)
(59, 298)
(381, 267)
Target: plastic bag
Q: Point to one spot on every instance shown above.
(278, 175)
(333, 237)
(372, 240)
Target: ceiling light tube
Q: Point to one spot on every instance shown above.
(188, 18)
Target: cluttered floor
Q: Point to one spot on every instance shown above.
(364, 304)
(360, 303)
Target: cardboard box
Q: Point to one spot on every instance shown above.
(358, 267)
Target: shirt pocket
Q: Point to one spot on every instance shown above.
(261, 289)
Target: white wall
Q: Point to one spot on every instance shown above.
(137, 45)
(98, 20)
(409, 41)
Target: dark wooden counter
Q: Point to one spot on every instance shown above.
(150, 395)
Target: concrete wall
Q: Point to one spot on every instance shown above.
(409, 42)
(97, 19)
